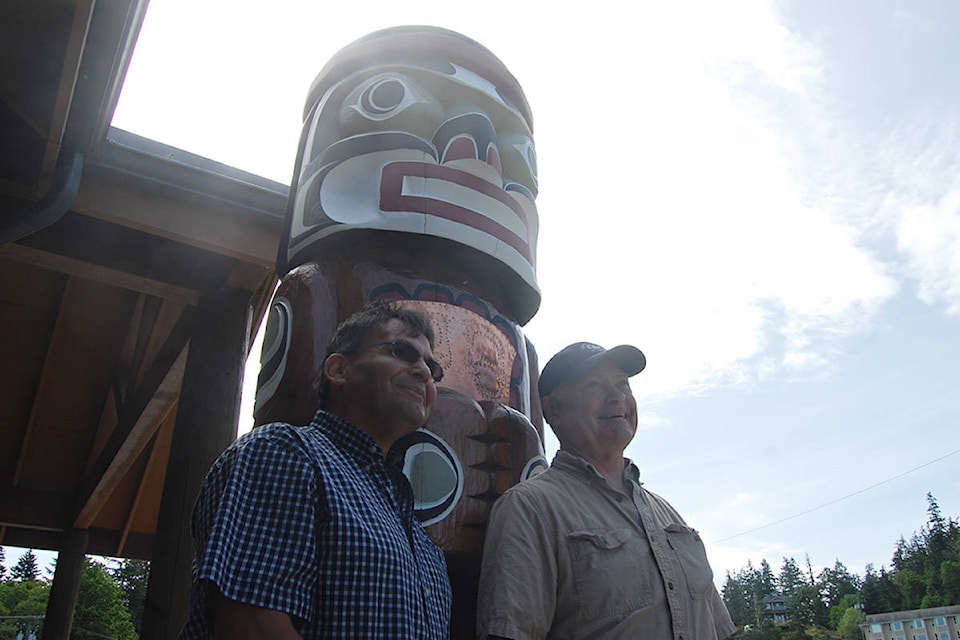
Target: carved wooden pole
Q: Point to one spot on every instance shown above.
(416, 182)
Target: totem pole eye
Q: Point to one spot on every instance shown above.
(529, 154)
(384, 97)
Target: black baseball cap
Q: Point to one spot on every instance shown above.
(580, 358)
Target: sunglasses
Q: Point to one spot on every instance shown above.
(406, 352)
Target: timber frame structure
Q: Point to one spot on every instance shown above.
(132, 276)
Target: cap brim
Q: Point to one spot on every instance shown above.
(627, 357)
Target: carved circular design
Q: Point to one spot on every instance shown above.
(383, 96)
(435, 474)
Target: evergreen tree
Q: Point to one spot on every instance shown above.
(100, 609)
(808, 607)
(26, 603)
(925, 573)
(735, 598)
(924, 569)
(3, 567)
(878, 594)
(836, 583)
(132, 576)
(790, 578)
(950, 577)
(26, 568)
(758, 584)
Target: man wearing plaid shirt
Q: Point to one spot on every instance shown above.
(308, 531)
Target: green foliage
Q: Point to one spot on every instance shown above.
(26, 568)
(100, 608)
(950, 578)
(735, 597)
(745, 591)
(132, 577)
(27, 599)
(879, 593)
(836, 583)
(809, 608)
(925, 574)
(838, 610)
(790, 578)
(848, 626)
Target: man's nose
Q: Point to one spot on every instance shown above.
(615, 393)
(421, 368)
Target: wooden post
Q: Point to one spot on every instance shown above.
(207, 417)
(66, 584)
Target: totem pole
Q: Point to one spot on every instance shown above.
(415, 182)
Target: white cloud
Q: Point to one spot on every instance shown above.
(929, 237)
(681, 225)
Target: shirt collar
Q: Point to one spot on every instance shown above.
(348, 437)
(581, 467)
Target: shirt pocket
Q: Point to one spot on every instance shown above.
(688, 546)
(608, 575)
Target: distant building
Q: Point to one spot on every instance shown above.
(938, 623)
(778, 609)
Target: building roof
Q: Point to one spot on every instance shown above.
(108, 243)
(912, 614)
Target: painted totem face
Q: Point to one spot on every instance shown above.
(431, 148)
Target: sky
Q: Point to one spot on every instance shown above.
(762, 196)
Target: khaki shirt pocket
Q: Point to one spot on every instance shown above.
(688, 546)
(608, 571)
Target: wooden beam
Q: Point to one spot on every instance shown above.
(218, 226)
(70, 70)
(34, 509)
(138, 415)
(105, 275)
(66, 586)
(206, 424)
(133, 444)
(45, 374)
(135, 503)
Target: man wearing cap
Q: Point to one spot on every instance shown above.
(583, 550)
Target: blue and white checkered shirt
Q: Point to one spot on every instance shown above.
(314, 522)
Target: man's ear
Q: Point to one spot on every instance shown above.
(546, 407)
(335, 368)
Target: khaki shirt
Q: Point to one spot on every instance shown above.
(567, 556)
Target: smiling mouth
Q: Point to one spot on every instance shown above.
(617, 417)
(419, 394)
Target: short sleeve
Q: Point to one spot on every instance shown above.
(255, 525)
(518, 580)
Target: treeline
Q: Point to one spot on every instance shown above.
(109, 601)
(793, 603)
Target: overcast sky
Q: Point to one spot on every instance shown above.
(764, 197)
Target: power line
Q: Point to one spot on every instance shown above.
(827, 504)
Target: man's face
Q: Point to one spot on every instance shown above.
(394, 394)
(595, 415)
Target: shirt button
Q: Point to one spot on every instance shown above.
(670, 586)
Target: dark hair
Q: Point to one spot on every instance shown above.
(354, 332)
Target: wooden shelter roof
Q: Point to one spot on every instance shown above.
(108, 242)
